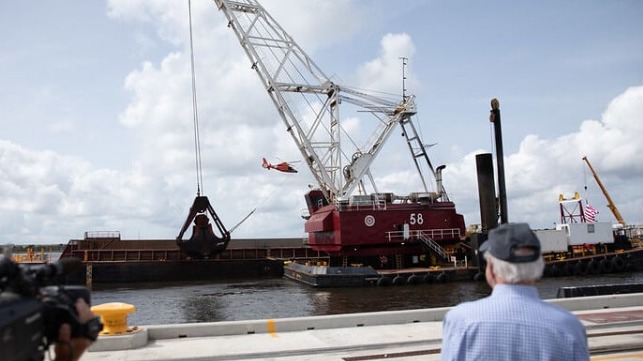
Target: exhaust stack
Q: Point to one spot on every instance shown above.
(438, 181)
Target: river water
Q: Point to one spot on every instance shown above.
(279, 298)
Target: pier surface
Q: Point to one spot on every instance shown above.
(614, 327)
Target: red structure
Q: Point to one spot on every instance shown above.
(571, 209)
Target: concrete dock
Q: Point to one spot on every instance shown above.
(614, 326)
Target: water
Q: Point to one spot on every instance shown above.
(279, 298)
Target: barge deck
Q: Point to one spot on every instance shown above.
(108, 259)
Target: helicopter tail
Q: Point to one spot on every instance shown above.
(265, 164)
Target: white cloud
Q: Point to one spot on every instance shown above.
(544, 168)
(51, 196)
(385, 72)
(327, 24)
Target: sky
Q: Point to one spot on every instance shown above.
(96, 118)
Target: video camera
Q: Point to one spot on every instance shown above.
(34, 304)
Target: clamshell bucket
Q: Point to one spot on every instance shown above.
(204, 242)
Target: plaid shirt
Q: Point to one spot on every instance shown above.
(512, 324)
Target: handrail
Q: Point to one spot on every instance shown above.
(428, 236)
(103, 234)
(433, 245)
(440, 233)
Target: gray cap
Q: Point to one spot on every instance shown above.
(513, 242)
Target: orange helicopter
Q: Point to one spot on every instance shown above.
(282, 167)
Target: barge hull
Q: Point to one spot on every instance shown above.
(107, 259)
(172, 271)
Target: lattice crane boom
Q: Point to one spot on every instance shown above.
(308, 101)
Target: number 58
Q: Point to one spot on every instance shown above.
(416, 218)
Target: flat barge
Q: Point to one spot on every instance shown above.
(108, 259)
(322, 276)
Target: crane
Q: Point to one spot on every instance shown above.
(610, 202)
(308, 102)
(368, 228)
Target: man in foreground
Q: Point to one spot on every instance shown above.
(70, 348)
(513, 323)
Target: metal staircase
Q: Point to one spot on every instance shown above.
(433, 245)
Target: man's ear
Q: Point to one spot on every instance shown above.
(489, 274)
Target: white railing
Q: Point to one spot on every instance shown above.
(428, 237)
(103, 234)
(424, 237)
(439, 233)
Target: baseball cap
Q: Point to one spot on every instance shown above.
(513, 242)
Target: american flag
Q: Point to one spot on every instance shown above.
(590, 213)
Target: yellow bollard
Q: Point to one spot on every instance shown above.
(113, 316)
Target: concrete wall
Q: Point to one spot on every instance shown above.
(361, 319)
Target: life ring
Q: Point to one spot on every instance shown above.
(593, 267)
(579, 269)
(399, 280)
(428, 278)
(442, 277)
(606, 266)
(554, 271)
(618, 263)
(383, 281)
(414, 279)
(480, 276)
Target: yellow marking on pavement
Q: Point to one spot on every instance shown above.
(272, 330)
(623, 357)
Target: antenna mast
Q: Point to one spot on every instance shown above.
(404, 60)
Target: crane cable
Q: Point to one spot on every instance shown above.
(197, 142)
(585, 182)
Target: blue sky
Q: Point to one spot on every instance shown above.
(96, 117)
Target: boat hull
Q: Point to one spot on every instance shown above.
(112, 260)
(630, 260)
(174, 271)
(361, 276)
(383, 229)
